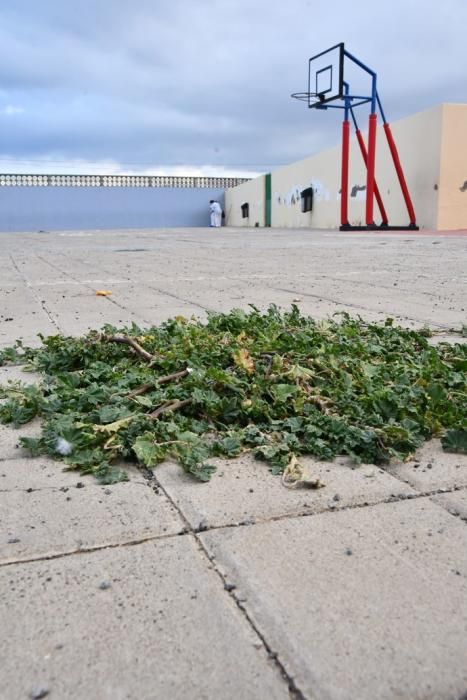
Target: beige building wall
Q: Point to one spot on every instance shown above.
(418, 141)
(252, 192)
(452, 211)
(432, 147)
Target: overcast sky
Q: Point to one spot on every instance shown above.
(198, 86)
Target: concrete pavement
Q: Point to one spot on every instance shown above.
(162, 587)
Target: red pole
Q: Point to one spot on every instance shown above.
(400, 174)
(370, 169)
(345, 172)
(382, 210)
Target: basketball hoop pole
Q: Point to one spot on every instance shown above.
(371, 159)
(398, 166)
(361, 143)
(345, 161)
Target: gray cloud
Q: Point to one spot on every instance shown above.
(206, 83)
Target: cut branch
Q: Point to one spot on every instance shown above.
(126, 340)
(140, 390)
(159, 380)
(170, 377)
(168, 406)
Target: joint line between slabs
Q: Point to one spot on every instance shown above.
(37, 298)
(96, 548)
(358, 306)
(87, 286)
(295, 692)
(154, 289)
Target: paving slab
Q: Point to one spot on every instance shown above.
(455, 502)
(432, 469)
(367, 603)
(17, 373)
(48, 522)
(244, 490)
(148, 621)
(36, 473)
(22, 316)
(10, 436)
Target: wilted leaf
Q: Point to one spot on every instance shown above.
(113, 427)
(243, 359)
(297, 476)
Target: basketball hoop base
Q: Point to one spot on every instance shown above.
(379, 227)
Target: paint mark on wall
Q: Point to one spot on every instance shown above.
(356, 189)
(293, 196)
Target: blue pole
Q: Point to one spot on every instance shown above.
(373, 78)
(381, 109)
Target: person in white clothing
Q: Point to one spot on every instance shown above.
(216, 213)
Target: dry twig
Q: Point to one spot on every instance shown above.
(158, 380)
(126, 340)
(168, 406)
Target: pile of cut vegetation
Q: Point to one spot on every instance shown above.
(276, 384)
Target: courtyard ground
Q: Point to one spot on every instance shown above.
(166, 588)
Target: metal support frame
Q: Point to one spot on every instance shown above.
(361, 143)
(350, 102)
(398, 166)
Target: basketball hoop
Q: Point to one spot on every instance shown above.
(313, 99)
(327, 89)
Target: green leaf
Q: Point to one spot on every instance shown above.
(283, 392)
(455, 441)
(144, 401)
(230, 446)
(32, 445)
(147, 451)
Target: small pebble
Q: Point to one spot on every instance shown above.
(80, 485)
(38, 693)
(349, 552)
(105, 585)
(13, 540)
(336, 497)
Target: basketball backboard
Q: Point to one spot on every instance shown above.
(326, 76)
